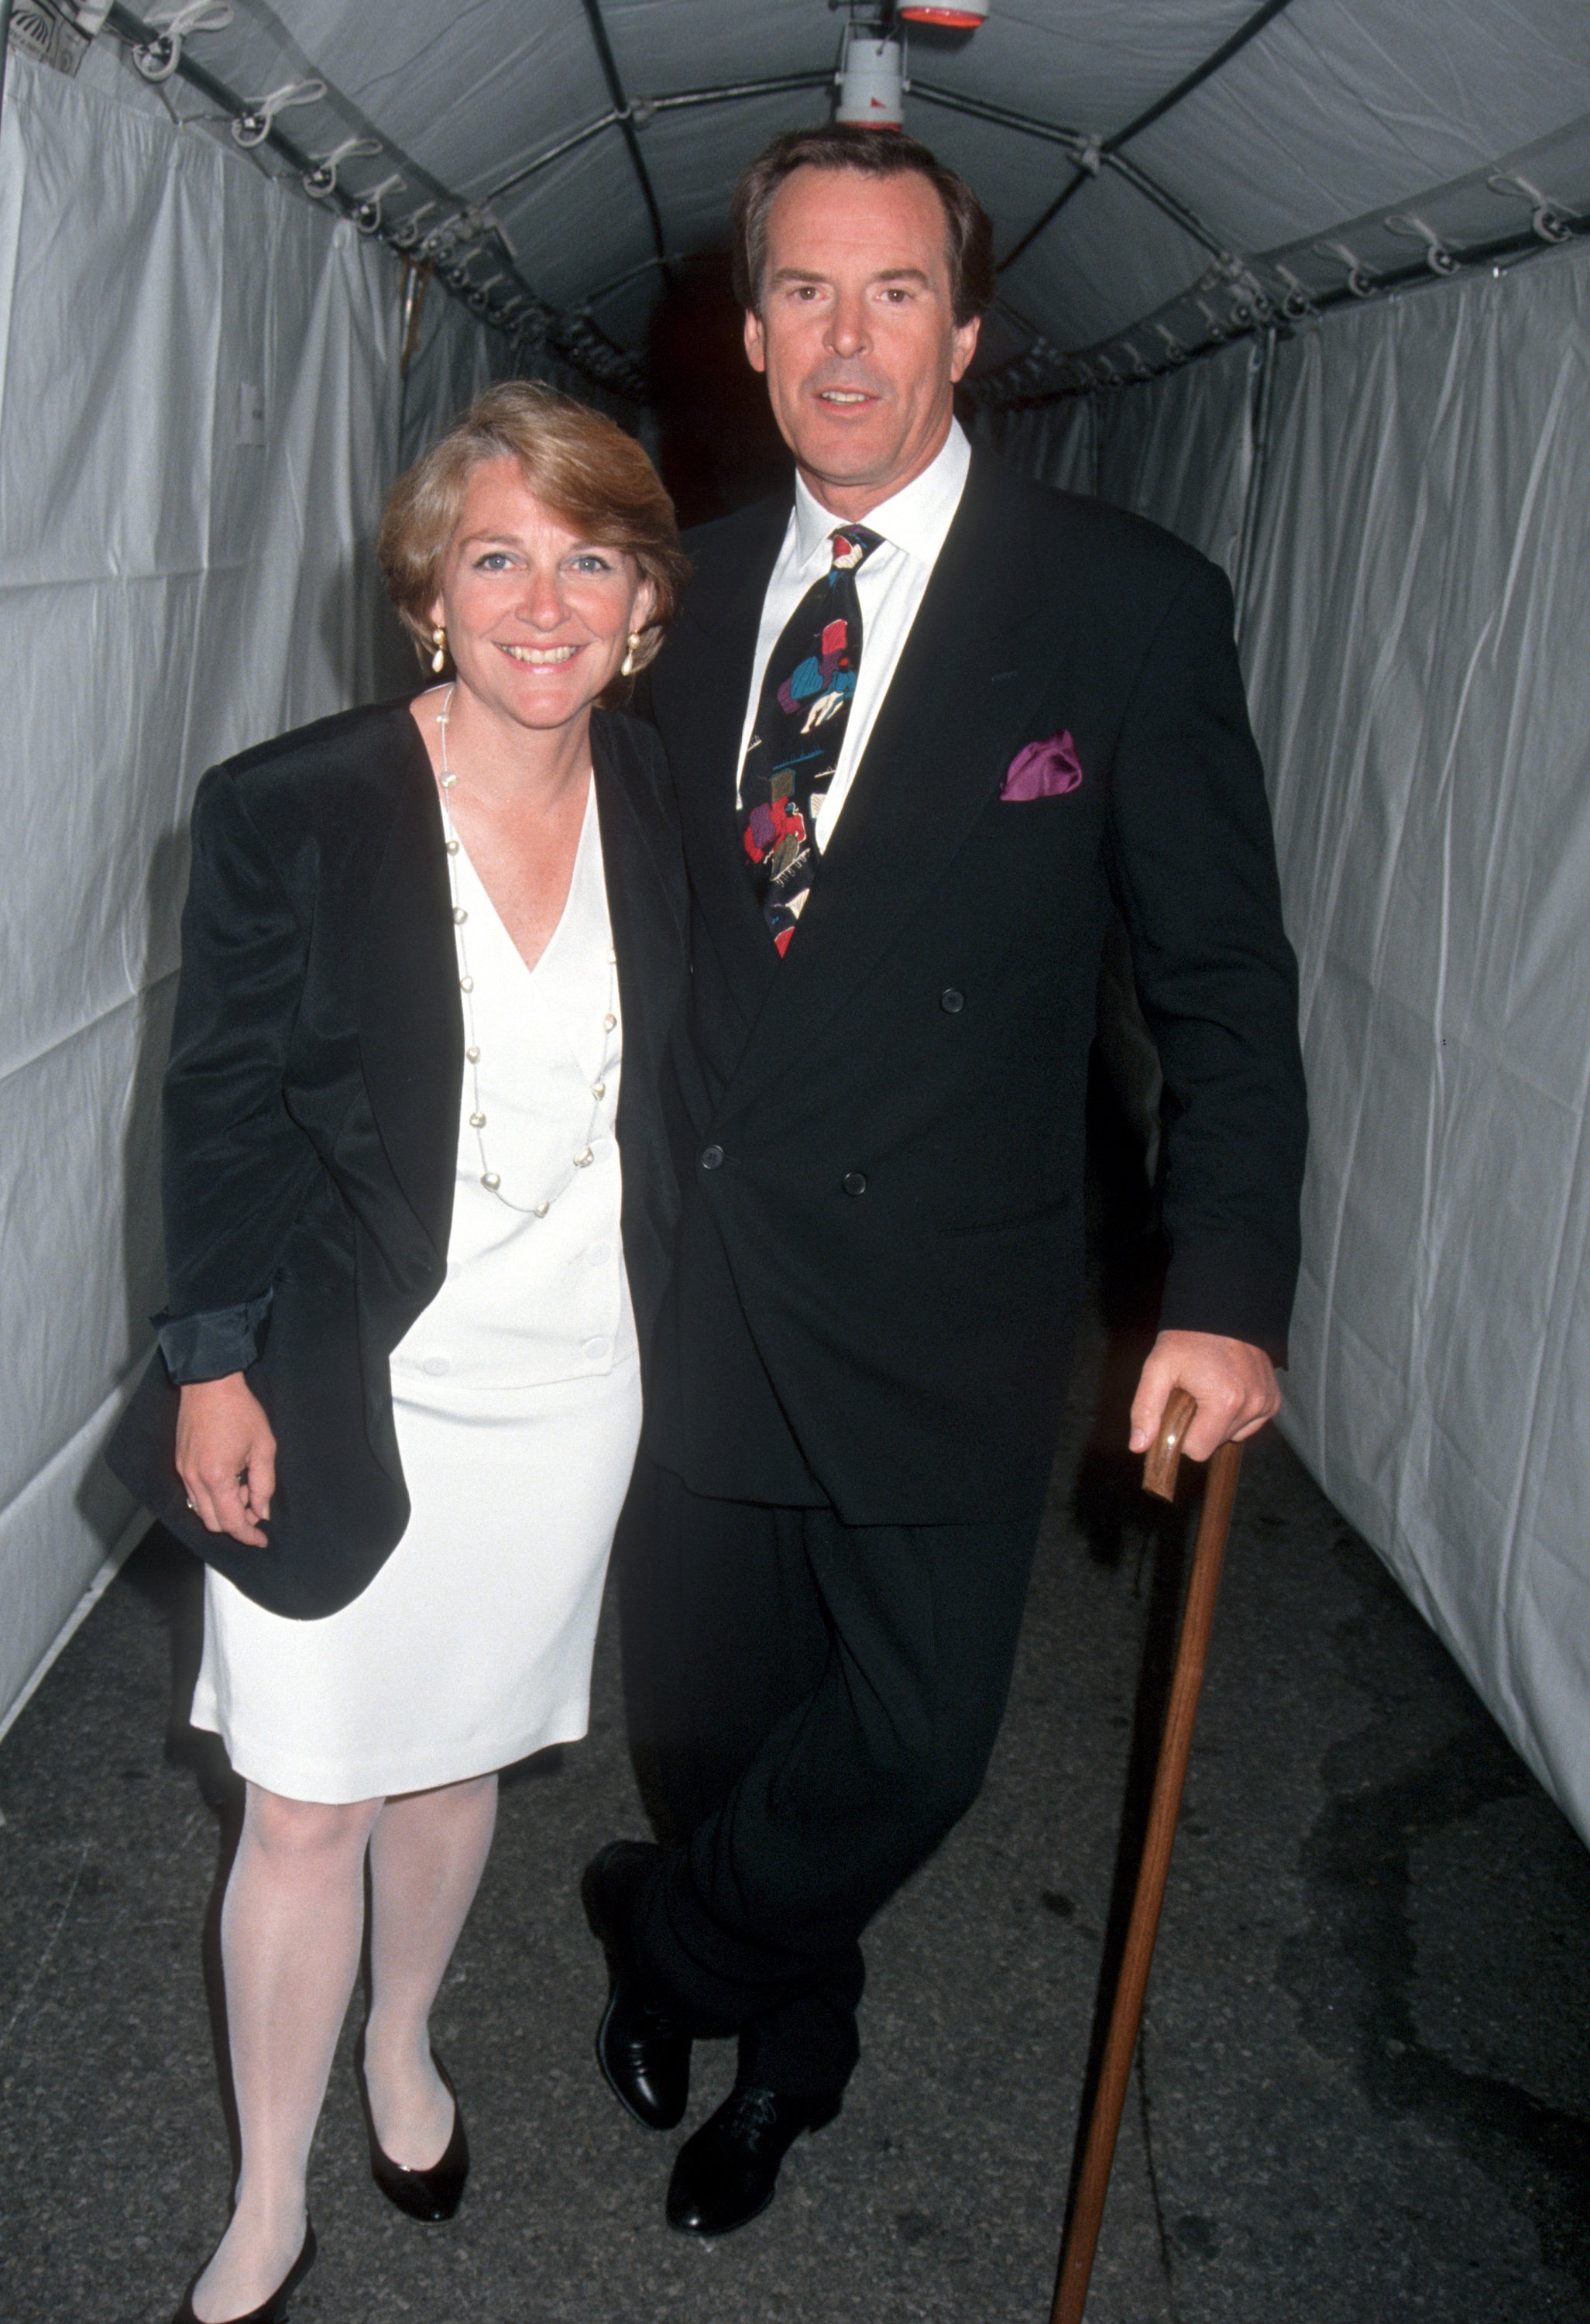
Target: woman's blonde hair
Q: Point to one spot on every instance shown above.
(579, 465)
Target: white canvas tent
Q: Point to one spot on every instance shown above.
(1304, 282)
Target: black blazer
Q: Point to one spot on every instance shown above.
(881, 1136)
(311, 1116)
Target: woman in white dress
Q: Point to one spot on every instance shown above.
(417, 1211)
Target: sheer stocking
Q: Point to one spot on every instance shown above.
(290, 1931)
(427, 1855)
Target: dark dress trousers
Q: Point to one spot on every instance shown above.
(858, 1373)
(311, 1110)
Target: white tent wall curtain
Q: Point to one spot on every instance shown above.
(1404, 499)
(172, 592)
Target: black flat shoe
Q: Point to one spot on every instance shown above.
(728, 2171)
(644, 2056)
(270, 2311)
(429, 2196)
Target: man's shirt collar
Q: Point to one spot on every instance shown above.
(915, 519)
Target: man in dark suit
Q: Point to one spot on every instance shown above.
(925, 723)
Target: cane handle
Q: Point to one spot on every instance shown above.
(1163, 1457)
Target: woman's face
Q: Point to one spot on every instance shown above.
(538, 619)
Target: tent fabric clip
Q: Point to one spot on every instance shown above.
(406, 233)
(367, 214)
(445, 238)
(1251, 303)
(321, 180)
(255, 124)
(1298, 304)
(1361, 279)
(1548, 220)
(159, 58)
(1437, 256)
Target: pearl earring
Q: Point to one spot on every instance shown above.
(438, 661)
(627, 667)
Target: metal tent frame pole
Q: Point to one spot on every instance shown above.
(1109, 147)
(624, 116)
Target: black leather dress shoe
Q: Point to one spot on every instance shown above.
(270, 2311)
(644, 2056)
(728, 2171)
(432, 2195)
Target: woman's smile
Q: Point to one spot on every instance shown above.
(540, 657)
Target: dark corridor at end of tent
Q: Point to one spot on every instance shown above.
(717, 446)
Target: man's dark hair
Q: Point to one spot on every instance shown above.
(871, 153)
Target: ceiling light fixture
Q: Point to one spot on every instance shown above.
(954, 15)
(871, 78)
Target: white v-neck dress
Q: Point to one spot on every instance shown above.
(516, 1395)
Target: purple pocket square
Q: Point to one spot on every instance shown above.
(1042, 769)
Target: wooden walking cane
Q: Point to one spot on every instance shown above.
(1159, 1477)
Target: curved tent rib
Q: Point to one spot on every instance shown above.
(1109, 147)
(1091, 155)
(624, 119)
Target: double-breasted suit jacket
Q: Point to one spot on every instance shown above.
(311, 1115)
(881, 1137)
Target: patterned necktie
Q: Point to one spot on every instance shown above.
(798, 734)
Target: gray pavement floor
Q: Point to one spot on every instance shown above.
(1362, 2091)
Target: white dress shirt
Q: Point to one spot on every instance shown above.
(890, 586)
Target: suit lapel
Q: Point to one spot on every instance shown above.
(411, 1018)
(644, 930)
(967, 685)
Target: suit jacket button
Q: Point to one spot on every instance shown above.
(855, 1182)
(712, 1158)
(951, 1001)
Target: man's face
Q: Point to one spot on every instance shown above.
(857, 334)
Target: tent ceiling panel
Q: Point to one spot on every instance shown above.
(579, 223)
(466, 99)
(661, 46)
(1334, 110)
(1092, 64)
(1260, 151)
(413, 60)
(695, 155)
(1096, 269)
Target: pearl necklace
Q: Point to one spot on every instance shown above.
(612, 1055)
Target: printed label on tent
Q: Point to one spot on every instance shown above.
(40, 30)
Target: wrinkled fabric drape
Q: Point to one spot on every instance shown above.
(1404, 500)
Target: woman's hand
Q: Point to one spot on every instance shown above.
(226, 1457)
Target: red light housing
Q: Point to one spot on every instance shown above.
(959, 15)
